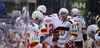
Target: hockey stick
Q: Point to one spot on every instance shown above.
(58, 28)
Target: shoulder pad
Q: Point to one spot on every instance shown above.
(70, 21)
(32, 24)
(19, 19)
(78, 17)
(49, 16)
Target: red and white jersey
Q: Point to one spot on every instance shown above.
(69, 17)
(43, 29)
(67, 35)
(56, 20)
(15, 35)
(81, 27)
(18, 24)
(50, 23)
(13, 39)
(19, 21)
(34, 32)
(23, 32)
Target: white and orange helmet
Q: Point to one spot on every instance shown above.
(37, 14)
(92, 28)
(42, 8)
(63, 10)
(75, 11)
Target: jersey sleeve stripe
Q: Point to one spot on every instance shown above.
(43, 30)
(83, 28)
(70, 21)
(74, 35)
(34, 44)
(23, 42)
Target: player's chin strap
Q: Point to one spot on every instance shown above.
(58, 28)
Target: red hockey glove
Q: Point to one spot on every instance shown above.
(69, 43)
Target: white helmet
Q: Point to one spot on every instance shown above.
(92, 28)
(42, 8)
(25, 12)
(16, 13)
(24, 9)
(37, 14)
(63, 10)
(75, 11)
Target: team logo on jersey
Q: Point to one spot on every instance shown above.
(74, 30)
(40, 26)
(62, 32)
(35, 38)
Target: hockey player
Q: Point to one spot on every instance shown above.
(23, 30)
(19, 20)
(49, 23)
(43, 28)
(21, 23)
(13, 40)
(67, 38)
(34, 31)
(80, 25)
(93, 30)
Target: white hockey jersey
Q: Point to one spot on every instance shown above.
(34, 32)
(81, 27)
(43, 29)
(14, 39)
(51, 23)
(18, 24)
(67, 35)
(69, 17)
(23, 32)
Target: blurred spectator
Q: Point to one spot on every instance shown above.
(89, 19)
(2, 9)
